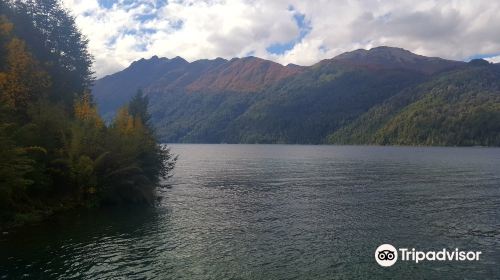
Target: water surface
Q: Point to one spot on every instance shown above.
(282, 212)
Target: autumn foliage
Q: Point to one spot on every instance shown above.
(56, 151)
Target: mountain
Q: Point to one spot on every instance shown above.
(459, 108)
(249, 74)
(362, 97)
(396, 58)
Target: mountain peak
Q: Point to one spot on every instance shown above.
(179, 59)
(382, 53)
(479, 62)
(397, 58)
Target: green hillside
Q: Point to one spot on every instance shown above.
(320, 101)
(303, 109)
(457, 108)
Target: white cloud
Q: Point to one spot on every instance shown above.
(494, 59)
(127, 31)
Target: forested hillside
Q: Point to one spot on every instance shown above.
(453, 109)
(385, 95)
(321, 100)
(56, 151)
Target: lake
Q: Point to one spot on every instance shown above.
(282, 212)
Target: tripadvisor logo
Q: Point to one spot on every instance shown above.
(387, 255)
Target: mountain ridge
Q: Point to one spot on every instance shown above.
(248, 74)
(397, 58)
(252, 100)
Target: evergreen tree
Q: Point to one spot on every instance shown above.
(138, 107)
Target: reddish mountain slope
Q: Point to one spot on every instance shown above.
(247, 74)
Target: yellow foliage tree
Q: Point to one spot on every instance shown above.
(5, 27)
(86, 111)
(22, 80)
(124, 122)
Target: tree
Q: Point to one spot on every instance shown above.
(136, 162)
(138, 107)
(22, 80)
(55, 40)
(56, 151)
(86, 111)
(14, 165)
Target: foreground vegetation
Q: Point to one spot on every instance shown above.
(56, 151)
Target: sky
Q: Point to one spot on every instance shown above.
(286, 31)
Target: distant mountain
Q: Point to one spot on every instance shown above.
(249, 74)
(396, 58)
(362, 97)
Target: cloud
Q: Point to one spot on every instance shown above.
(295, 31)
(494, 59)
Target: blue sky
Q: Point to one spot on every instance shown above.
(304, 26)
(107, 3)
(286, 31)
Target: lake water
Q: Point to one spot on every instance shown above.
(282, 212)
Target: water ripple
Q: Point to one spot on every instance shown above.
(281, 212)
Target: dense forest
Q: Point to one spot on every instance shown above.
(300, 110)
(56, 151)
(459, 108)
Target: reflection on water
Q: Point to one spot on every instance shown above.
(282, 212)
